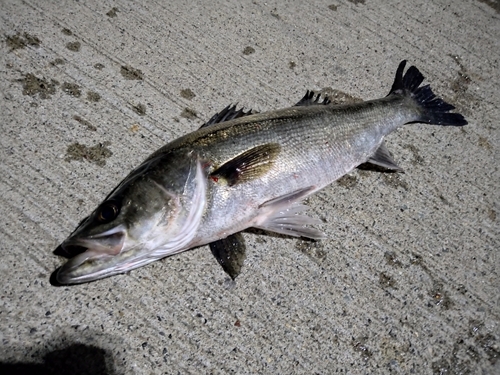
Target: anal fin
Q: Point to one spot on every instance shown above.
(382, 158)
(230, 252)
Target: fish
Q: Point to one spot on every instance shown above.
(242, 170)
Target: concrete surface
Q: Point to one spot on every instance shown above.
(408, 280)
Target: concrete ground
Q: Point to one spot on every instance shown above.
(407, 281)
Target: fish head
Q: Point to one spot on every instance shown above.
(153, 213)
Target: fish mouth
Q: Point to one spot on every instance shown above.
(94, 257)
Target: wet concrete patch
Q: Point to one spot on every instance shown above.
(463, 99)
(130, 73)
(360, 346)
(32, 85)
(71, 89)
(93, 96)
(82, 121)
(313, 249)
(187, 94)
(113, 12)
(347, 181)
(94, 154)
(19, 41)
(332, 7)
(248, 50)
(395, 180)
(58, 61)
(189, 113)
(74, 46)
(417, 159)
(140, 109)
(386, 281)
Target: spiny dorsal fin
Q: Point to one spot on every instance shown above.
(249, 165)
(310, 99)
(383, 158)
(230, 252)
(228, 113)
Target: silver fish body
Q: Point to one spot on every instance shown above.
(243, 170)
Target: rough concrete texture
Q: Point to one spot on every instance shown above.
(408, 279)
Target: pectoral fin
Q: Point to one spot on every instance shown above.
(247, 166)
(230, 253)
(383, 158)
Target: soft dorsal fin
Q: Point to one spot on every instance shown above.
(310, 99)
(249, 165)
(383, 158)
(228, 113)
(230, 252)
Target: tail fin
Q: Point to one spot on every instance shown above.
(434, 110)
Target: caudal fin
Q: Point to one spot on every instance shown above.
(434, 110)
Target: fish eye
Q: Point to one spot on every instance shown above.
(108, 212)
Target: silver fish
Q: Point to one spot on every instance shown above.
(242, 170)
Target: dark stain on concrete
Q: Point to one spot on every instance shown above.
(464, 100)
(187, 94)
(313, 249)
(140, 109)
(386, 281)
(95, 154)
(468, 351)
(99, 66)
(71, 89)
(248, 51)
(58, 61)
(392, 260)
(130, 73)
(66, 31)
(484, 143)
(395, 180)
(332, 7)
(93, 96)
(417, 159)
(19, 41)
(189, 113)
(74, 46)
(113, 12)
(492, 214)
(82, 121)
(440, 297)
(33, 85)
(275, 14)
(347, 181)
(356, 2)
(360, 346)
(292, 65)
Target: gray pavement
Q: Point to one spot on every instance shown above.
(408, 279)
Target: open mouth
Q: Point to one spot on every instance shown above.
(91, 257)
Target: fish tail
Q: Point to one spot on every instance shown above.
(433, 110)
